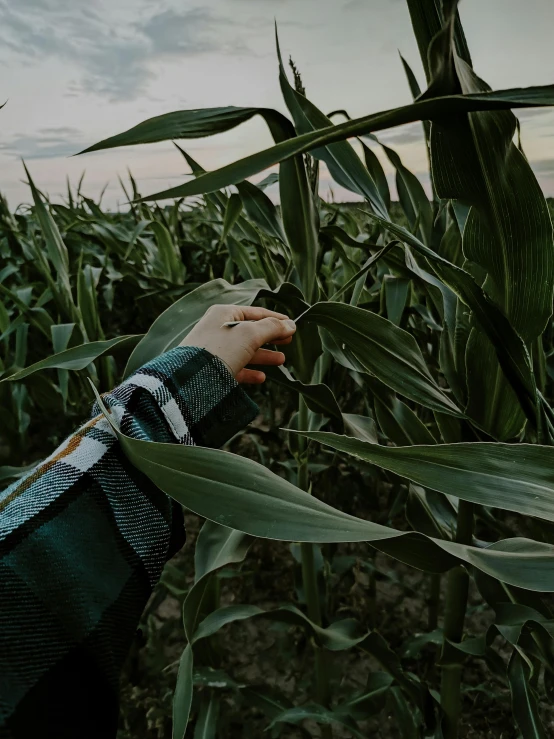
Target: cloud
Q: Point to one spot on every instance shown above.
(356, 5)
(173, 33)
(47, 143)
(111, 58)
(543, 167)
(408, 134)
(526, 114)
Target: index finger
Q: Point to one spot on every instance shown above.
(254, 313)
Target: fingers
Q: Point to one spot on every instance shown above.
(283, 341)
(250, 377)
(266, 356)
(269, 330)
(253, 313)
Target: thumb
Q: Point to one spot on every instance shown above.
(268, 330)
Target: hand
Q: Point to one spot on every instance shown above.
(241, 345)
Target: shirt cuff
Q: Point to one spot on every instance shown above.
(200, 399)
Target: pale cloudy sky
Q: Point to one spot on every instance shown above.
(77, 71)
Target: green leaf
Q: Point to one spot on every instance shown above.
(87, 303)
(183, 124)
(431, 513)
(232, 212)
(524, 699)
(377, 173)
(246, 261)
(76, 358)
(512, 477)
(356, 280)
(61, 334)
(168, 253)
(404, 716)
(217, 546)
(371, 701)
(261, 210)
(300, 222)
(56, 249)
(171, 327)
(342, 161)
(267, 700)
(206, 723)
(182, 698)
(297, 207)
(320, 715)
(476, 162)
(385, 350)
(362, 427)
(450, 105)
(413, 199)
(4, 318)
(398, 422)
(337, 637)
(491, 401)
(239, 493)
(509, 347)
(9, 473)
(319, 397)
(396, 295)
(271, 179)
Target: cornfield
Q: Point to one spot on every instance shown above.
(405, 454)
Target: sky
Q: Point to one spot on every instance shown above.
(77, 71)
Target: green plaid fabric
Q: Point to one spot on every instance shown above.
(83, 540)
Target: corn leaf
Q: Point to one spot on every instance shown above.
(171, 327)
(76, 358)
(524, 698)
(206, 724)
(510, 349)
(344, 164)
(217, 546)
(239, 493)
(385, 351)
(182, 697)
(420, 110)
(512, 477)
(182, 124)
(261, 210)
(318, 396)
(507, 238)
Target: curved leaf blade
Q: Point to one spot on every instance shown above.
(385, 350)
(514, 477)
(76, 358)
(241, 494)
(171, 327)
(420, 110)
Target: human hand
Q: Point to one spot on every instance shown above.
(241, 345)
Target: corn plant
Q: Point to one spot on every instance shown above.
(421, 362)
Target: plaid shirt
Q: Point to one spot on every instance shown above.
(83, 541)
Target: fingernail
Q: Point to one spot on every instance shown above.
(290, 324)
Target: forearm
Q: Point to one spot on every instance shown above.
(83, 540)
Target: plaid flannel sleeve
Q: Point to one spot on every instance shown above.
(83, 540)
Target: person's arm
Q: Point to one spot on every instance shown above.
(84, 537)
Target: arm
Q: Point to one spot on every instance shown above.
(84, 538)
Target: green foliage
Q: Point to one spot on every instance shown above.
(421, 366)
